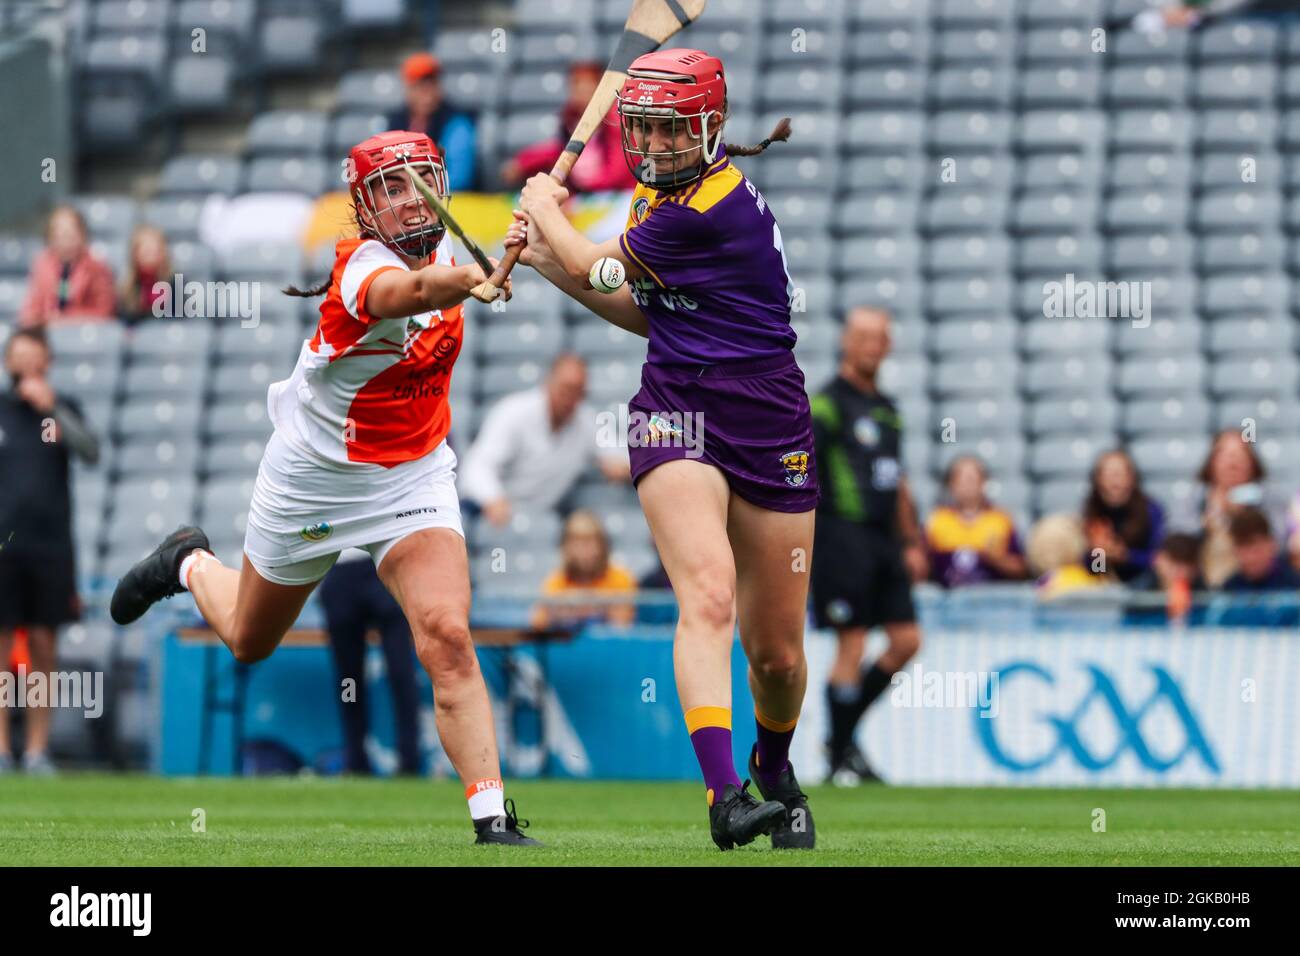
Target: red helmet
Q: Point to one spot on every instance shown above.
(366, 166)
(678, 87)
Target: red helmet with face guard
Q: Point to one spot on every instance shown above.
(666, 92)
(375, 190)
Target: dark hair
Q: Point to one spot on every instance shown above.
(1182, 548)
(324, 287)
(780, 133)
(1135, 520)
(1257, 466)
(35, 333)
(1247, 525)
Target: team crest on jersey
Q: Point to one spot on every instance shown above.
(866, 432)
(316, 532)
(640, 209)
(795, 464)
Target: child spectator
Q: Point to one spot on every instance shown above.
(1055, 546)
(1176, 573)
(585, 568)
(970, 540)
(148, 265)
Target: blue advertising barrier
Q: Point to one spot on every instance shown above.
(602, 705)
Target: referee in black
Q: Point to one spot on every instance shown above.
(869, 545)
(39, 432)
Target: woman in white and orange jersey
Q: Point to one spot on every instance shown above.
(359, 458)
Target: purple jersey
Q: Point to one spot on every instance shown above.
(716, 286)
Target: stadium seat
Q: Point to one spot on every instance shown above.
(287, 132)
(201, 174)
(302, 174)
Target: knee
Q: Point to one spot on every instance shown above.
(249, 647)
(778, 665)
(443, 644)
(905, 641)
(712, 602)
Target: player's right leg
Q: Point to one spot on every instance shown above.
(685, 504)
(427, 571)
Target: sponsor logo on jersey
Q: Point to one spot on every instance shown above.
(839, 611)
(316, 532)
(866, 432)
(795, 464)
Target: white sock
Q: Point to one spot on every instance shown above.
(188, 562)
(487, 798)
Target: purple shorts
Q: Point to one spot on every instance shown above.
(749, 419)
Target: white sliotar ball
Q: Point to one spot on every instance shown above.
(607, 275)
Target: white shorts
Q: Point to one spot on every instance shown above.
(304, 512)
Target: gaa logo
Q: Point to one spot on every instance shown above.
(640, 208)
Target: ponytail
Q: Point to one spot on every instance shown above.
(308, 293)
(780, 133)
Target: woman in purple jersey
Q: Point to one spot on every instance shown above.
(721, 434)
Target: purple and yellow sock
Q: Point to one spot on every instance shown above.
(773, 753)
(710, 730)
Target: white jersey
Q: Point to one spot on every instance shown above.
(368, 390)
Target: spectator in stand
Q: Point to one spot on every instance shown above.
(66, 280)
(40, 431)
(1233, 478)
(1176, 573)
(534, 445)
(1260, 564)
(969, 539)
(1262, 571)
(453, 129)
(1119, 519)
(1293, 532)
(149, 265)
(601, 165)
(1055, 546)
(585, 568)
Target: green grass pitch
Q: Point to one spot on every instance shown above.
(81, 819)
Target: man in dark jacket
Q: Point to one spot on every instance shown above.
(39, 432)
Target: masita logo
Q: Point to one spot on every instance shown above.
(75, 909)
(316, 532)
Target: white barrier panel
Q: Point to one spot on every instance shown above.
(1202, 708)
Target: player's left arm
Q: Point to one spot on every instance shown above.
(541, 199)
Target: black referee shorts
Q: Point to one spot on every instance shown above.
(37, 588)
(858, 576)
